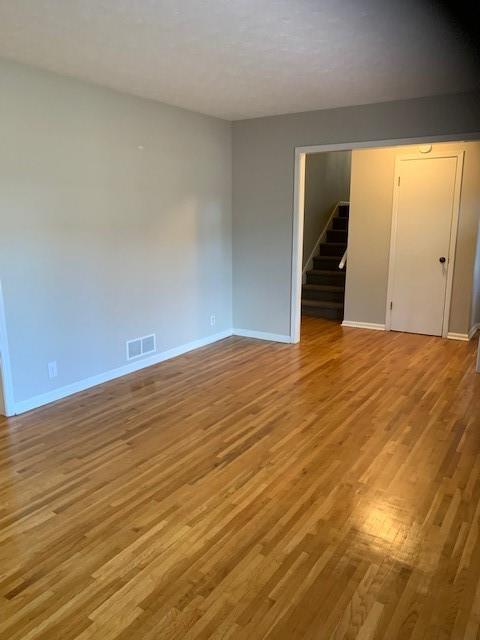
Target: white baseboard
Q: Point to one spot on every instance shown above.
(87, 383)
(473, 331)
(262, 335)
(381, 327)
(457, 336)
(465, 337)
(363, 325)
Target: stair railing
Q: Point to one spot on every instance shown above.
(343, 261)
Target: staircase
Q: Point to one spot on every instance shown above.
(324, 291)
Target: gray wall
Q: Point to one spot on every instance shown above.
(370, 228)
(327, 181)
(263, 172)
(101, 241)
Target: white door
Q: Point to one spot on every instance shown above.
(425, 200)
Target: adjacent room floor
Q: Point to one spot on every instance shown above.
(252, 490)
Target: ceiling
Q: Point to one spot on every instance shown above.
(244, 58)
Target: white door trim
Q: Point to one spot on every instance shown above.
(453, 231)
(6, 372)
(297, 248)
(298, 205)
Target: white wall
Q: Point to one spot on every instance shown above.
(371, 201)
(327, 181)
(101, 241)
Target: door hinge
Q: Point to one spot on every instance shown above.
(391, 306)
(398, 181)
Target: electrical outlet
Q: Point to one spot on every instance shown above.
(212, 321)
(52, 369)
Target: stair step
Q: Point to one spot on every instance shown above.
(323, 287)
(326, 304)
(343, 210)
(322, 293)
(322, 309)
(340, 223)
(332, 249)
(337, 235)
(325, 277)
(326, 272)
(332, 258)
(327, 262)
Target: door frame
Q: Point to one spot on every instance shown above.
(6, 371)
(459, 155)
(299, 201)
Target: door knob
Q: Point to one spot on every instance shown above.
(442, 259)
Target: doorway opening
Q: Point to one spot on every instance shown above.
(325, 234)
(405, 199)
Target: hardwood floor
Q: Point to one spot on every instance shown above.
(252, 490)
